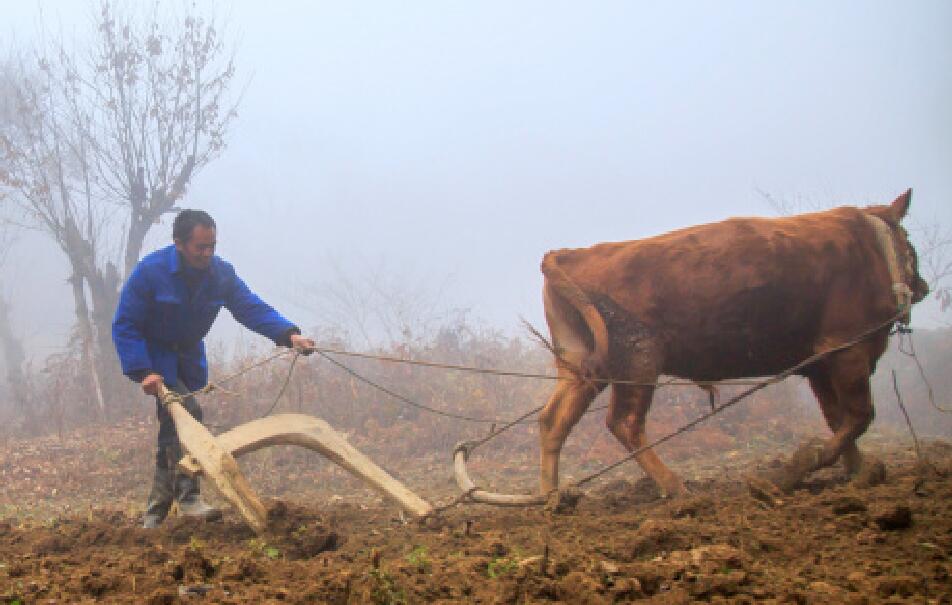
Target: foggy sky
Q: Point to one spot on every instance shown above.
(455, 143)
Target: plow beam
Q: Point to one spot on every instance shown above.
(460, 456)
(314, 434)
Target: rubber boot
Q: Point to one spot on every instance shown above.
(160, 498)
(190, 503)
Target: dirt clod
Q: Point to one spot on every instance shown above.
(899, 585)
(847, 505)
(894, 518)
(163, 597)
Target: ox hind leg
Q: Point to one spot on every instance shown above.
(565, 407)
(842, 389)
(573, 339)
(626, 420)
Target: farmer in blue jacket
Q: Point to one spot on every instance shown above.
(165, 310)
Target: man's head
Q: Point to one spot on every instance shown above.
(194, 235)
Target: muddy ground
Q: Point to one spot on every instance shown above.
(70, 506)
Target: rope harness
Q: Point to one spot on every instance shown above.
(901, 291)
(897, 271)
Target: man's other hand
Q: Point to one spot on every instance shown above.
(150, 384)
(301, 344)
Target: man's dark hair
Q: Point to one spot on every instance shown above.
(185, 222)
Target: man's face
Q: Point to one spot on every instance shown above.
(199, 248)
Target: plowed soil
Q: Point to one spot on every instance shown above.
(71, 534)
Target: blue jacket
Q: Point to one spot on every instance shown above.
(159, 325)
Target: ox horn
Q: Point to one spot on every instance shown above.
(313, 434)
(460, 456)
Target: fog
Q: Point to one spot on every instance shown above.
(449, 146)
(395, 174)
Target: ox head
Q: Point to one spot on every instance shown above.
(892, 215)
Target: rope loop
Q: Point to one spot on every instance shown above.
(168, 397)
(466, 447)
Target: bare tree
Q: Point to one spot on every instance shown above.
(935, 260)
(785, 206)
(11, 348)
(14, 357)
(104, 140)
(11, 345)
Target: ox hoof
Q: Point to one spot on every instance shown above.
(807, 458)
(788, 477)
(563, 501)
(871, 472)
(673, 490)
(765, 490)
(782, 480)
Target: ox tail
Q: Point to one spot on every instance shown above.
(563, 286)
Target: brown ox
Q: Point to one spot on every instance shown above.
(740, 298)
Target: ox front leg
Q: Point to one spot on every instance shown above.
(851, 384)
(566, 405)
(864, 470)
(847, 404)
(626, 420)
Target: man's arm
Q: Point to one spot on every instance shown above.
(256, 315)
(127, 335)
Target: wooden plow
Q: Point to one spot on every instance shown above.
(214, 456)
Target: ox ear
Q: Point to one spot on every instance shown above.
(895, 212)
(900, 206)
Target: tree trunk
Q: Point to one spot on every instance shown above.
(104, 291)
(86, 334)
(138, 229)
(14, 356)
(149, 208)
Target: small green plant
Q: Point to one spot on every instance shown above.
(195, 543)
(386, 591)
(261, 548)
(501, 566)
(272, 552)
(256, 545)
(111, 455)
(419, 559)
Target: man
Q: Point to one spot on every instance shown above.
(165, 310)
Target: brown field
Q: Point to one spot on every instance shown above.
(70, 532)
